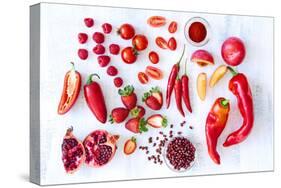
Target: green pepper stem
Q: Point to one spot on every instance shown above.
(225, 102)
(72, 66)
(90, 80)
(233, 72)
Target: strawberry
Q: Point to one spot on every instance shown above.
(157, 121)
(138, 111)
(128, 97)
(153, 99)
(136, 125)
(118, 115)
(130, 146)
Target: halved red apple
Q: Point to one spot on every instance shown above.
(202, 58)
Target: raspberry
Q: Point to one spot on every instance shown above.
(82, 38)
(83, 54)
(89, 22)
(107, 28)
(103, 60)
(98, 37)
(99, 49)
(112, 71)
(118, 82)
(114, 49)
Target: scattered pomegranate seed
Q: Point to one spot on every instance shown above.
(103, 60)
(83, 54)
(82, 38)
(112, 71)
(89, 22)
(114, 49)
(99, 49)
(98, 37)
(118, 82)
(107, 28)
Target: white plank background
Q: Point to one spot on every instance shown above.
(60, 25)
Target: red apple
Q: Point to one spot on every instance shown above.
(233, 51)
(202, 58)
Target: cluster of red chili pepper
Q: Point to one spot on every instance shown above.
(92, 92)
(217, 117)
(180, 86)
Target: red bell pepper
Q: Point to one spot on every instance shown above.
(215, 124)
(95, 99)
(172, 79)
(71, 90)
(239, 86)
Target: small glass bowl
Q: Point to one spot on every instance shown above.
(186, 31)
(167, 162)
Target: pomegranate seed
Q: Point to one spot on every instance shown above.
(83, 54)
(99, 49)
(89, 22)
(118, 82)
(98, 37)
(114, 49)
(107, 28)
(103, 60)
(82, 38)
(112, 71)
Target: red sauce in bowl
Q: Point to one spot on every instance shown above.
(197, 32)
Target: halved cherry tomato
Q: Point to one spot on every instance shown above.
(172, 43)
(143, 78)
(173, 27)
(129, 55)
(154, 72)
(161, 42)
(153, 57)
(156, 21)
(140, 42)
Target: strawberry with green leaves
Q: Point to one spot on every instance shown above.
(136, 125)
(138, 111)
(118, 115)
(157, 121)
(153, 99)
(128, 97)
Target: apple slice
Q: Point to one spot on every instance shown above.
(202, 58)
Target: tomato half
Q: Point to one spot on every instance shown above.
(153, 57)
(143, 78)
(156, 21)
(172, 43)
(154, 72)
(173, 27)
(129, 55)
(161, 42)
(126, 31)
(140, 42)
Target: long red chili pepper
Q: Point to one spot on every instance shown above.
(178, 95)
(215, 124)
(239, 86)
(185, 90)
(94, 98)
(71, 90)
(172, 78)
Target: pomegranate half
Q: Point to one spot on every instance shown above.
(73, 152)
(100, 147)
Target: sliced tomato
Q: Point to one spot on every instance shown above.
(156, 21)
(154, 72)
(153, 57)
(173, 27)
(172, 44)
(161, 42)
(143, 78)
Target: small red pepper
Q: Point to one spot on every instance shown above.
(239, 86)
(185, 90)
(178, 95)
(215, 124)
(172, 78)
(95, 99)
(71, 90)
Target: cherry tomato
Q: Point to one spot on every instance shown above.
(153, 57)
(172, 43)
(161, 42)
(126, 31)
(129, 55)
(140, 42)
(156, 21)
(154, 72)
(143, 78)
(173, 27)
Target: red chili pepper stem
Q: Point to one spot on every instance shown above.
(225, 103)
(90, 78)
(178, 63)
(233, 72)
